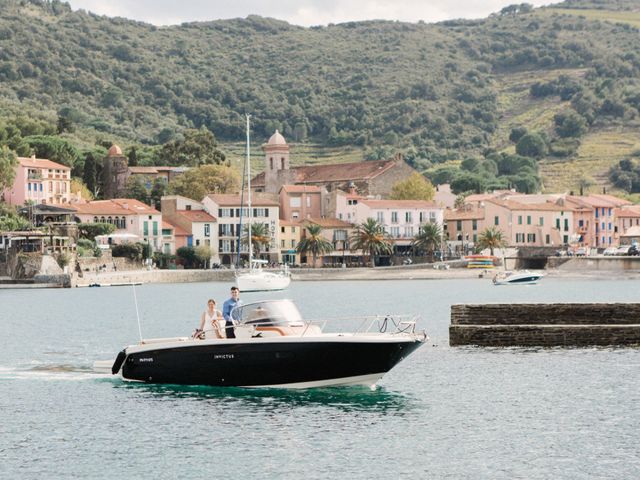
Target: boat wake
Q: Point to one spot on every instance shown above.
(48, 371)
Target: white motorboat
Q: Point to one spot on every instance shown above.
(275, 347)
(523, 277)
(257, 279)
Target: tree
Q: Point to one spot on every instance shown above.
(8, 166)
(158, 191)
(10, 220)
(570, 124)
(428, 238)
(187, 255)
(135, 188)
(89, 173)
(531, 145)
(491, 238)
(371, 238)
(314, 242)
(79, 188)
(517, 133)
(203, 254)
(198, 182)
(415, 187)
(53, 148)
(132, 157)
(259, 236)
(194, 148)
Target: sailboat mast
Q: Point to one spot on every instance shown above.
(248, 162)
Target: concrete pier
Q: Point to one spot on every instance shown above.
(547, 325)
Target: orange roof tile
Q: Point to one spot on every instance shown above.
(177, 231)
(632, 211)
(513, 205)
(464, 214)
(196, 215)
(334, 172)
(301, 188)
(41, 163)
(116, 206)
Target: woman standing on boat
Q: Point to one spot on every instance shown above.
(211, 321)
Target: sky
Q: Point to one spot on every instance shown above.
(297, 12)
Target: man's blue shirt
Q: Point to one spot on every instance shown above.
(228, 306)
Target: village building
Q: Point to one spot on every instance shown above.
(39, 180)
(627, 218)
(226, 209)
(599, 227)
(336, 232)
(193, 226)
(290, 232)
(134, 220)
(298, 202)
(462, 228)
(370, 177)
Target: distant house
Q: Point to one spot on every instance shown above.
(369, 177)
(226, 209)
(39, 180)
(298, 202)
(132, 217)
(191, 217)
(336, 232)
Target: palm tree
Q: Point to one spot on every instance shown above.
(370, 237)
(314, 242)
(259, 236)
(491, 238)
(428, 238)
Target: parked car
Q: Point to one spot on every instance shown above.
(581, 252)
(610, 251)
(623, 250)
(633, 250)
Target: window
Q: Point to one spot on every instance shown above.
(293, 244)
(603, 226)
(281, 229)
(295, 215)
(474, 224)
(547, 239)
(609, 225)
(531, 238)
(394, 217)
(145, 228)
(528, 219)
(408, 217)
(458, 225)
(282, 163)
(270, 163)
(394, 232)
(408, 232)
(293, 229)
(558, 223)
(207, 229)
(496, 220)
(308, 201)
(581, 223)
(566, 224)
(475, 238)
(197, 242)
(380, 217)
(609, 212)
(281, 243)
(294, 202)
(188, 207)
(541, 222)
(519, 219)
(155, 228)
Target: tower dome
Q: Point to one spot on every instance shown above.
(114, 151)
(277, 139)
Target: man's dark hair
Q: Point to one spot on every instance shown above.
(234, 288)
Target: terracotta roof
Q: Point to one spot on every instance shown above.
(301, 188)
(404, 204)
(292, 223)
(334, 172)
(600, 201)
(196, 215)
(329, 222)
(464, 214)
(513, 205)
(114, 151)
(31, 162)
(116, 206)
(481, 197)
(233, 200)
(177, 231)
(632, 211)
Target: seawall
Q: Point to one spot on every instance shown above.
(547, 325)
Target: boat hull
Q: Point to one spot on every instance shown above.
(262, 282)
(290, 364)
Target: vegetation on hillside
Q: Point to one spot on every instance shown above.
(73, 82)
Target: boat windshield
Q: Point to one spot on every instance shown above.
(270, 312)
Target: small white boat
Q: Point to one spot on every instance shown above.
(523, 277)
(256, 279)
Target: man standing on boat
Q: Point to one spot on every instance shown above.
(228, 306)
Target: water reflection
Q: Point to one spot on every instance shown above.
(346, 399)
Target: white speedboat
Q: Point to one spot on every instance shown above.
(275, 347)
(256, 279)
(523, 277)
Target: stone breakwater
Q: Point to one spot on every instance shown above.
(547, 325)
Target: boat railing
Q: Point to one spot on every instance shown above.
(393, 324)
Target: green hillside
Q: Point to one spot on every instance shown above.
(439, 93)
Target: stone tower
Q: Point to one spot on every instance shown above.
(276, 161)
(114, 173)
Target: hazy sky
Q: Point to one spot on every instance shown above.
(298, 12)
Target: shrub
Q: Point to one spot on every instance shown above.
(134, 251)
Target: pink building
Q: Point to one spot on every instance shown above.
(39, 180)
(140, 221)
(298, 202)
(463, 227)
(627, 217)
(599, 227)
(530, 224)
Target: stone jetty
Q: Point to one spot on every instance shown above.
(547, 325)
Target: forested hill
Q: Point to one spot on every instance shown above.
(437, 92)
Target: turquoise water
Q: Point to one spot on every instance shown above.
(442, 413)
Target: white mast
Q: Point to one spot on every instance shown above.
(249, 192)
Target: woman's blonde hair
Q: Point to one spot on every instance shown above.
(211, 300)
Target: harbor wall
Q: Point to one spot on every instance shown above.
(547, 325)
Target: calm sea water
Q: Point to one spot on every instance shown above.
(442, 413)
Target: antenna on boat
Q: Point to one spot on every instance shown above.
(135, 300)
(249, 190)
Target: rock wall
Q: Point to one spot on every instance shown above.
(504, 325)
